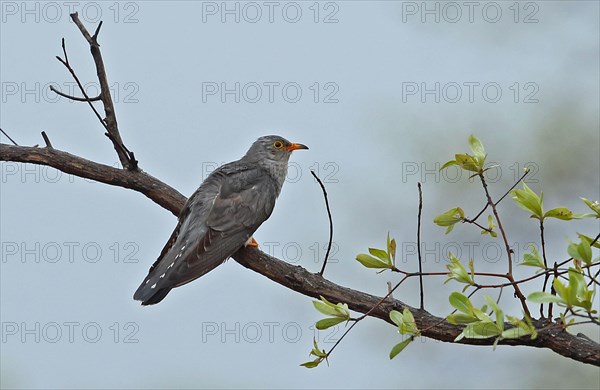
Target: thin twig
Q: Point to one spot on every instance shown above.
(527, 170)
(422, 304)
(109, 122)
(499, 295)
(594, 278)
(330, 221)
(472, 220)
(509, 275)
(8, 136)
(87, 99)
(477, 224)
(47, 140)
(75, 98)
(95, 36)
(543, 243)
(552, 290)
(357, 320)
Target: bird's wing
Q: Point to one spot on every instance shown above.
(216, 221)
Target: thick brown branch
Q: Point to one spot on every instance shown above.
(296, 277)
(304, 282)
(159, 192)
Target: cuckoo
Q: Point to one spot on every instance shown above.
(220, 217)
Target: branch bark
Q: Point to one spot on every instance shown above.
(160, 193)
(296, 277)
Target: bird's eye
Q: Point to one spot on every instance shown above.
(278, 144)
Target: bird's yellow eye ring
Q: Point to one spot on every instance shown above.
(278, 144)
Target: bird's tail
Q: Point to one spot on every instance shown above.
(150, 296)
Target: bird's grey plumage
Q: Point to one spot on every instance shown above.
(220, 217)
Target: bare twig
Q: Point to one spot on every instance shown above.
(422, 296)
(8, 136)
(75, 98)
(330, 221)
(87, 99)
(356, 321)
(543, 243)
(527, 170)
(472, 220)
(126, 156)
(47, 140)
(509, 252)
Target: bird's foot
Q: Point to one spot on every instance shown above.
(251, 243)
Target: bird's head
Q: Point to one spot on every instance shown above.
(272, 153)
(273, 148)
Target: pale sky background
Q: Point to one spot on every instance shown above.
(74, 251)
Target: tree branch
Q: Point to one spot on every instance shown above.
(160, 193)
(126, 156)
(295, 277)
(306, 283)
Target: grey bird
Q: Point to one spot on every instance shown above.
(220, 217)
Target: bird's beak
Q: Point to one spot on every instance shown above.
(293, 147)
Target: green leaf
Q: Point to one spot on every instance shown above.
(499, 313)
(468, 163)
(580, 295)
(514, 333)
(529, 201)
(405, 322)
(533, 259)
(328, 322)
(581, 251)
(481, 330)
(312, 364)
(320, 356)
(450, 218)
(594, 206)
(380, 254)
(544, 297)
(399, 347)
(330, 309)
(388, 243)
(589, 240)
(478, 150)
(316, 351)
(460, 318)
(392, 250)
(461, 303)
(471, 269)
(480, 314)
(449, 164)
(324, 308)
(457, 271)
(491, 226)
(526, 328)
(562, 213)
(396, 317)
(561, 290)
(371, 262)
(409, 326)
